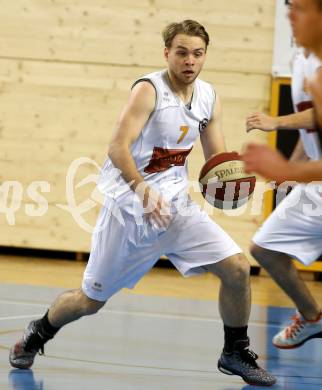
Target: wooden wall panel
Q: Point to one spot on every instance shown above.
(56, 230)
(66, 68)
(129, 33)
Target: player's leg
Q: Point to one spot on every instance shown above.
(290, 233)
(195, 245)
(234, 274)
(68, 307)
(307, 323)
(236, 357)
(282, 269)
(113, 245)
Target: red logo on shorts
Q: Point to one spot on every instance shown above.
(163, 159)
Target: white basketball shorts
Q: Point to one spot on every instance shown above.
(122, 253)
(295, 226)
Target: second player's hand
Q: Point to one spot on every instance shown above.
(260, 121)
(266, 162)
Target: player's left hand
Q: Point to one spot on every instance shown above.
(266, 162)
(260, 121)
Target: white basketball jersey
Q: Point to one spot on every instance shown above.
(303, 69)
(164, 143)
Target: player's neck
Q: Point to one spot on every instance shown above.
(183, 91)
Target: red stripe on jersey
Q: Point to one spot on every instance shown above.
(163, 159)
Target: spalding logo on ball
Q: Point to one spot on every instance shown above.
(224, 182)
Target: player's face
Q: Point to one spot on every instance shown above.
(186, 57)
(306, 22)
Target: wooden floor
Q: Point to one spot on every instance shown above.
(166, 333)
(158, 282)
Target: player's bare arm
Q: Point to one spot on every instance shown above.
(212, 139)
(305, 172)
(128, 127)
(315, 88)
(265, 161)
(272, 165)
(299, 120)
(299, 153)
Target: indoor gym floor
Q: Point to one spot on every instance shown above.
(165, 334)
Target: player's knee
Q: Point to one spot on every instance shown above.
(238, 272)
(241, 270)
(89, 306)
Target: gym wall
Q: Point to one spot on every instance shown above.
(65, 71)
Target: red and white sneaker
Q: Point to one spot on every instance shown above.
(300, 331)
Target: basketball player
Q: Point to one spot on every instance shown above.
(306, 22)
(290, 232)
(165, 114)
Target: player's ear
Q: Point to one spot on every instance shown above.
(166, 53)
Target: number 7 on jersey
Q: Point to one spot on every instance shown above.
(184, 130)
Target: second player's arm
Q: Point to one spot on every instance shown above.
(271, 164)
(298, 120)
(298, 153)
(212, 139)
(315, 88)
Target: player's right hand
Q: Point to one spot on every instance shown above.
(156, 209)
(260, 121)
(266, 162)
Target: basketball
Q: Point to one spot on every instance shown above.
(224, 182)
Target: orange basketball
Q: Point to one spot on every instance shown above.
(224, 182)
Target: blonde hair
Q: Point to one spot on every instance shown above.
(188, 27)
